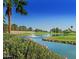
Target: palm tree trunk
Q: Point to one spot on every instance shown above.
(9, 20)
(9, 24)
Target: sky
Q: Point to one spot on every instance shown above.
(47, 14)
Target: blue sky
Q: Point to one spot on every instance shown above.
(47, 14)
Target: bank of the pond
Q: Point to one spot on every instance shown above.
(62, 39)
(19, 48)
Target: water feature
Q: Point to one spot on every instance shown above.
(32, 35)
(65, 50)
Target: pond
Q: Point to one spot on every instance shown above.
(65, 50)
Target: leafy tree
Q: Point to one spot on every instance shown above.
(52, 30)
(30, 29)
(14, 27)
(56, 30)
(39, 30)
(67, 31)
(18, 5)
(22, 28)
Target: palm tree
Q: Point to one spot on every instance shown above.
(18, 5)
(71, 27)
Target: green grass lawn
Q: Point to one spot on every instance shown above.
(27, 33)
(24, 34)
(63, 38)
(71, 39)
(35, 33)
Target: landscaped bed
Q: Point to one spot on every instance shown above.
(19, 48)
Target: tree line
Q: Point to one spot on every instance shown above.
(65, 32)
(15, 27)
(58, 30)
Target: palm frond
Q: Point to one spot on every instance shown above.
(15, 2)
(24, 12)
(20, 9)
(4, 19)
(8, 10)
(4, 3)
(23, 2)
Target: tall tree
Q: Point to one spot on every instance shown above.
(30, 29)
(22, 28)
(56, 30)
(71, 28)
(19, 7)
(14, 27)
